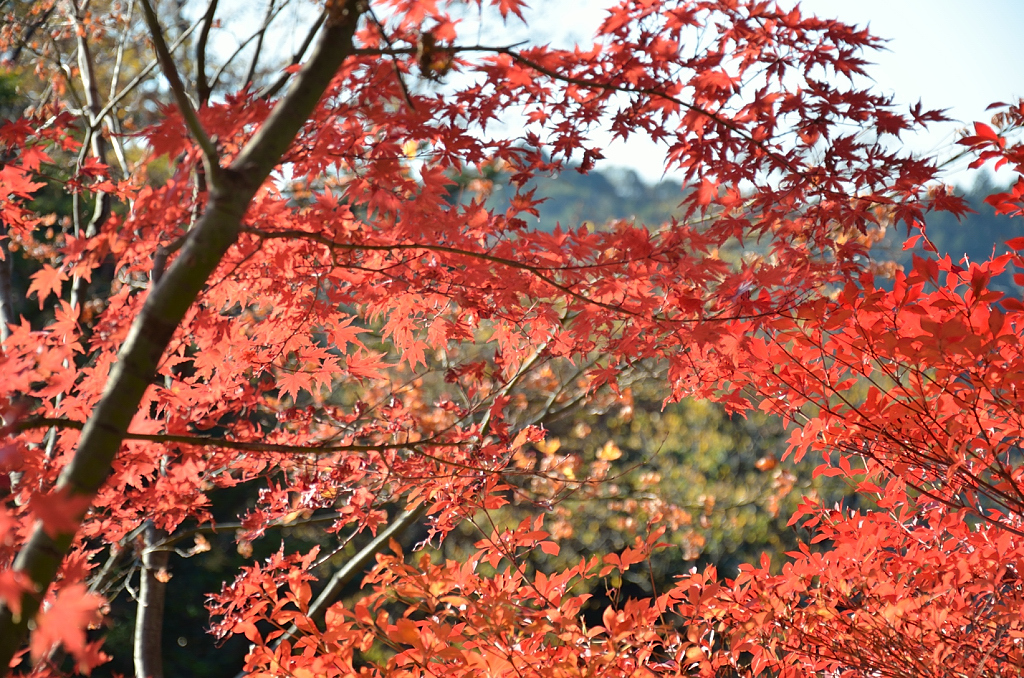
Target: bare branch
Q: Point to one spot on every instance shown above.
(259, 42)
(146, 70)
(202, 85)
(238, 50)
(297, 57)
(354, 567)
(178, 537)
(8, 315)
(149, 617)
(27, 37)
(119, 57)
(188, 112)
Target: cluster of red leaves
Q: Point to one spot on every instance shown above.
(365, 274)
(927, 580)
(484, 615)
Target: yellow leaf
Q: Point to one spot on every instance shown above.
(549, 446)
(610, 451)
(694, 653)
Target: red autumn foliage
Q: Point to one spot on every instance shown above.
(240, 297)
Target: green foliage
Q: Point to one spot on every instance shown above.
(570, 199)
(715, 480)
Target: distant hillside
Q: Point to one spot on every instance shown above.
(976, 236)
(572, 198)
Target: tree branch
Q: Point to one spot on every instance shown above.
(259, 43)
(351, 569)
(270, 142)
(165, 307)
(168, 543)
(188, 112)
(297, 57)
(540, 272)
(8, 314)
(141, 75)
(358, 563)
(238, 50)
(26, 38)
(115, 74)
(206, 441)
(202, 84)
(651, 92)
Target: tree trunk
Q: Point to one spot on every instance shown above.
(149, 619)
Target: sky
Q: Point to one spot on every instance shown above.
(951, 54)
(960, 55)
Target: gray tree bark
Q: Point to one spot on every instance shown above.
(149, 617)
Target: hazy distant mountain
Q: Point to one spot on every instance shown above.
(573, 198)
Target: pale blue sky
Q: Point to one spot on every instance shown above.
(955, 54)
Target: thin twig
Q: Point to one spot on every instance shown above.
(540, 272)
(216, 528)
(202, 85)
(119, 57)
(297, 57)
(238, 50)
(188, 112)
(259, 43)
(209, 441)
(146, 70)
(394, 61)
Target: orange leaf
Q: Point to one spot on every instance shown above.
(46, 280)
(65, 621)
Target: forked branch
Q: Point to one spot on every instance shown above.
(188, 112)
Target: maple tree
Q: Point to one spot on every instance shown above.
(267, 286)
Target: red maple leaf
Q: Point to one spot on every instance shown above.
(12, 585)
(366, 364)
(706, 192)
(15, 181)
(32, 157)
(47, 280)
(65, 619)
(59, 511)
(291, 381)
